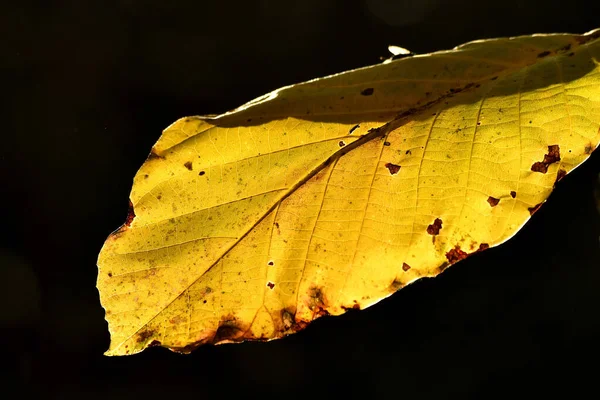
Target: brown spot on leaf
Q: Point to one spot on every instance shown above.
(494, 78)
(455, 255)
(270, 262)
(396, 285)
(353, 128)
(588, 149)
(188, 165)
(539, 167)
(551, 157)
(532, 210)
(408, 152)
(154, 343)
(393, 168)
(405, 267)
(201, 173)
(110, 274)
(483, 246)
(442, 267)
(543, 54)
(145, 335)
(270, 285)
(553, 154)
(317, 302)
(342, 143)
(387, 144)
(434, 229)
(130, 215)
(228, 329)
(493, 201)
(513, 194)
(367, 92)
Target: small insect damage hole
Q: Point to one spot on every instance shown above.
(342, 143)
(405, 267)
(188, 165)
(434, 229)
(270, 285)
(367, 92)
(551, 157)
(393, 168)
(270, 262)
(493, 201)
(513, 194)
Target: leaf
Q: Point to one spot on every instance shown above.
(334, 193)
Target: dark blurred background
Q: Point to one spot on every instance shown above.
(88, 88)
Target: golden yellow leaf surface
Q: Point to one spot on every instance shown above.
(334, 193)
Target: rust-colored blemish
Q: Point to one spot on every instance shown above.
(110, 274)
(539, 167)
(355, 306)
(443, 266)
(513, 194)
(551, 157)
(367, 92)
(483, 246)
(270, 285)
(493, 201)
(405, 267)
(145, 335)
(553, 154)
(588, 149)
(455, 255)
(393, 168)
(130, 215)
(543, 54)
(533, 210)
(434, 229)
(387, 143)
(154, 343)
(188, 165)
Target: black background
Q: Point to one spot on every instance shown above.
(89, 86)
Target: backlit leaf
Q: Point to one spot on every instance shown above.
(334, 193)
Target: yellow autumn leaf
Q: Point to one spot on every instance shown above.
(334, 193)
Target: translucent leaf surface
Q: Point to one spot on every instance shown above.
(334, 193)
